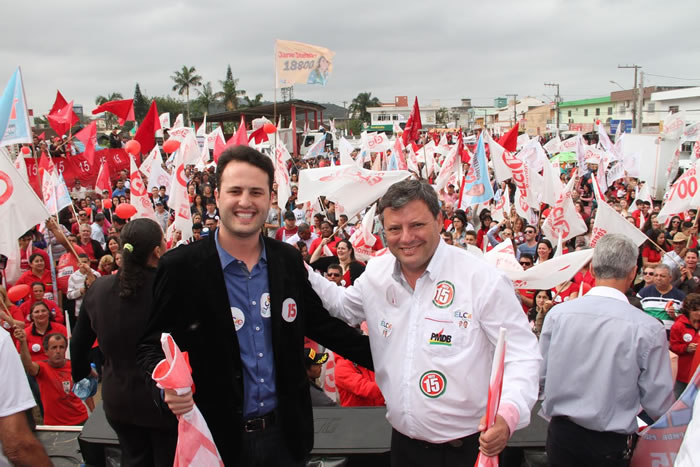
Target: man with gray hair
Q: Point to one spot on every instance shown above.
(661, 299)
(603, 360)
(304, 234)
(433, 314)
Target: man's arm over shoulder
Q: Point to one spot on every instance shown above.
(655, 381)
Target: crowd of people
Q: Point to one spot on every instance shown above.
(120, 287)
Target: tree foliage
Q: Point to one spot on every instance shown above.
(229, 92)
(253, 102)
(141, 104)
(206, 97)
(359, 105)
(186, 79)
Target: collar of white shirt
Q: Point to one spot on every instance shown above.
(602, 291)
(432, 267)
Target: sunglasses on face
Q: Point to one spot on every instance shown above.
(333, 274)
(648, 273)
(525, 263)
(529, 231)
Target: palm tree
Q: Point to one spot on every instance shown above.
(229, 94)
(207, 96)
(359, 105)
(184, 80)
(253, 103)
(110, 118)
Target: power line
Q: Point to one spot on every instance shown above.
(673, 77)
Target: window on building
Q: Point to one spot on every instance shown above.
(623, 108)
(673, 109)
(394, 117)
(609, 110)
(569, 113)
(585, 112)
(651, 107)
(597, 111)
(571, 120)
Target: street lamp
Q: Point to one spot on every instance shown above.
(617, 84)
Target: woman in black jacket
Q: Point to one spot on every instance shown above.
(115, 311)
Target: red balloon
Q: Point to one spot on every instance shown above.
(171, 145)
(269, 128)
(125, 210)
(18, 292)
(133, 147)
(107, 203)
(26, 150)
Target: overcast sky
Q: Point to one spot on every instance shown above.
(436, 50)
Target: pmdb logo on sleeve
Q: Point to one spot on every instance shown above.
(444, 294)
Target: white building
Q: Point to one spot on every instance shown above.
(383, 118)
(506, 117)
(677, 100)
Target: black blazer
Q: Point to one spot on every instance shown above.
(191, 303)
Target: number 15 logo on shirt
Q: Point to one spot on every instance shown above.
(444, 294)
(433, 383)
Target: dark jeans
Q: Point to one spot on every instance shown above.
(142, 446)
(267, 448)
(409, 452)
(34, 386)
(571, 445)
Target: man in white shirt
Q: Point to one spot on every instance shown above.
(16, 439)
(434, 314)
(97, 229)
(78, 191)
(304, 234)
(604, 361)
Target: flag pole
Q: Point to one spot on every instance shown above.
(274, 105)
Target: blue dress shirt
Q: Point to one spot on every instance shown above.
(249, 298)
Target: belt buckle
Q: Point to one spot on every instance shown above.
(254, 424)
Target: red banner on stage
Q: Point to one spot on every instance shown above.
(73, 167)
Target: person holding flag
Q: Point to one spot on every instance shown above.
(434, 315)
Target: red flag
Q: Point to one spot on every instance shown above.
(146, 134)
(123, 109)
(240, 137)
(219, 147)
(413, 125)
(88, 136)
(461, 150)
(45, 163)
(259, 135)
(42, 136)
(61, 119)
(58, 104)
(509, 141)
(103, 182)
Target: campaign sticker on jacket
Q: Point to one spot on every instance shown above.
(444, 294)
(433, 384)
(385, 328)
(687, 337)
(265, 305)
(36, 347)
(463, 318)
(289, 310)
(238, 317)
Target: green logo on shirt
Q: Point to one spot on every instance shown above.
(433, 383)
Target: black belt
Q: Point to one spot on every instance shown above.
(259, 423)
(455, 443)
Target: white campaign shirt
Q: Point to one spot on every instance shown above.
(433, 347)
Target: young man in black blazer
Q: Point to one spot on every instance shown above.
(240, 304)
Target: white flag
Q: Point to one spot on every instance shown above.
(501, 209)
(353, 187)
(607, 220)
(211, 137)
(179, 122)
(20, 165)
(523, 209)
(48, 191)
(501, 161)
(552, 272)
(684, 194)
(553, 145)
(449, 168)
(20, 208)
(345, 149)
(282, 174)
(502, 256)
(552, 183)
(363, 239)
(522, 140)
(165, 120)
(180, 201)
(377, 142)
(631, 164)
(139, 194)
(563, 219)
(691, 133)
(202, 130)
(153, 158)
(159, 177)
(674, 125)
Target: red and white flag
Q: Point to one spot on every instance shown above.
(195, 444)
(48, 192)
(448, 169)
(353, 187)
(363, 239)
(164, 119)
(179, 200)
(202, 130)
(20, 210)
(550, 273)
(284, 190)
(563, 219)
(179, 121)
(553, 145)
(502, 256)
(673, 126)
(607, 220)
(103, 181)
(494, 395)
(501, 163)
(139, 194)
(684, 194)
(153, 158)
(345, 149)
(501, 209)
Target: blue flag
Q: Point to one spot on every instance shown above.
(477, 187)
(14, 117)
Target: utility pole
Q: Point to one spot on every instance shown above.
(515, 106)
(640, 104)
(557, 99)
(634, 94)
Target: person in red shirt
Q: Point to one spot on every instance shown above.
(61, 406)
(41, 325)
(39, 271)
(37, 295)
(651, 256)
(356, 385)
(683, 340)
(26, 249)
(289, 228)
(326, 238)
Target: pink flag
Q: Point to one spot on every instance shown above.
(139, 194)
(195, 444)
(494, 398)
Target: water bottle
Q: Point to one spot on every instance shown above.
(86, 387)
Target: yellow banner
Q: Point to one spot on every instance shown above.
(299, 63)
